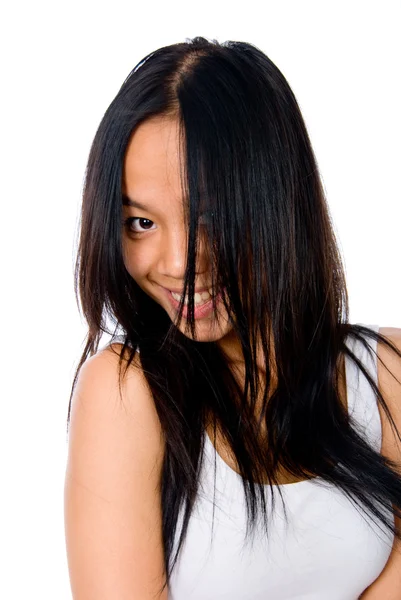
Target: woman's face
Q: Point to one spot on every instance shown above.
(155, 235)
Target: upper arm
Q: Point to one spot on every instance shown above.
(112, 499)
(388, 584)
(391, 391)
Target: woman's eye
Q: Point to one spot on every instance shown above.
(139, 221)
(140, 224)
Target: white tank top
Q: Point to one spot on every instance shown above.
(329, 551)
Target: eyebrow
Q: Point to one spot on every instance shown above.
(129, 202)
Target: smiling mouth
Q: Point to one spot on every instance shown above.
(203, 306)
(199, 299)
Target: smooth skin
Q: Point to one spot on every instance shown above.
(112, 502)
(112, 486)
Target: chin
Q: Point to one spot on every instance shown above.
(205, 330)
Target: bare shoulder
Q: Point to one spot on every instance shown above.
(387, 375)
(389, 580)
(112, 499)
(100, 391)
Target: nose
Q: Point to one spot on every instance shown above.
(173, 254)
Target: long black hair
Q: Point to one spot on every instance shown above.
(274, 255)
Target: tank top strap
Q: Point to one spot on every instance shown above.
(119, 339)
(362, 402)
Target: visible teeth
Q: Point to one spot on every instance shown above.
(200, 298)
(177, 296)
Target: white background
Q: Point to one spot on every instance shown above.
(61, 66)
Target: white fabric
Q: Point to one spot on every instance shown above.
(330, 551)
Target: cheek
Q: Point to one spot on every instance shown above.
(137, 262)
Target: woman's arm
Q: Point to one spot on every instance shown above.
(112, 506)
(388, 585)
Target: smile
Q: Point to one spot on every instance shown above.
(203, 303)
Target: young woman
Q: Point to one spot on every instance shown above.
(233, 379)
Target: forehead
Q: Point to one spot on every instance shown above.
(153, 164)
(152, 158)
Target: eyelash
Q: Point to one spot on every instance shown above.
(127, 223)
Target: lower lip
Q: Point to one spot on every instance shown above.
(200, 312)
